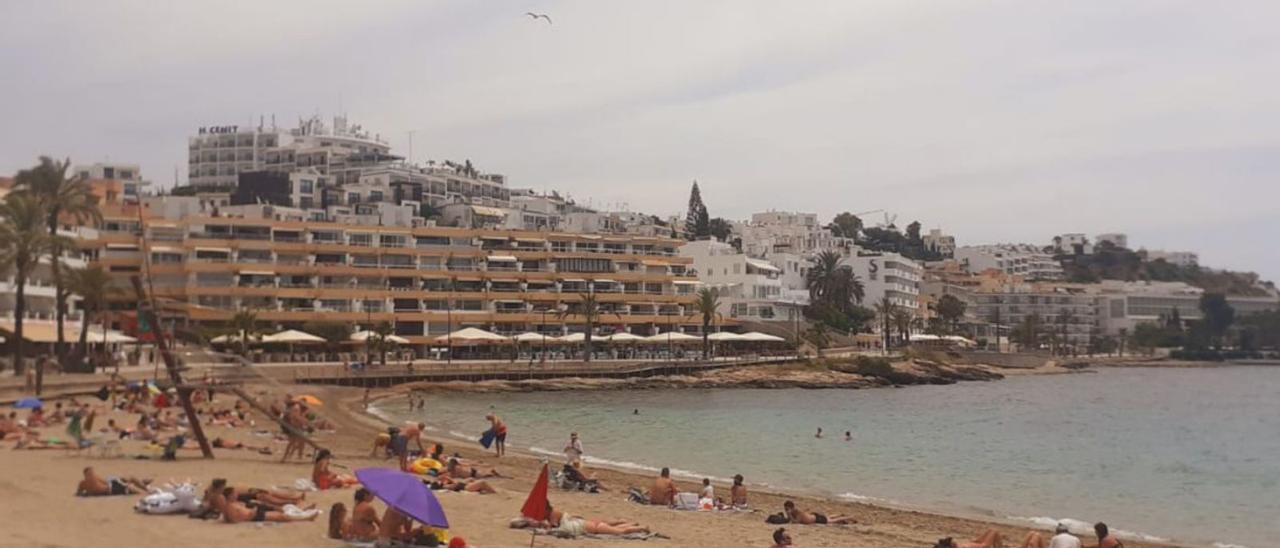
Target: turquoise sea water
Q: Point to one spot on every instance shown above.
(1187, 454)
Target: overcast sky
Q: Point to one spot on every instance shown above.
(995, 121)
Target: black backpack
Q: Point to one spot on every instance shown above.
(777, 519)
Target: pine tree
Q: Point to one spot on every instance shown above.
(696, 222)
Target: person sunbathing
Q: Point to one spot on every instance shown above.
(738, 493)
(574, 477)
(663, 492)
(324, 478)
(577, 526)
(32, 440)
(992, 539)
(457, 470)
(94, 486)
(273, 499)
(239, 512)
(814, 518)
(470, 486)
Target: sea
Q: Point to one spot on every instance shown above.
(1191, 455)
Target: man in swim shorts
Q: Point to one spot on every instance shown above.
(813, 518)
(94, 486)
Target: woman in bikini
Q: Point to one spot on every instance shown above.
(325, 479)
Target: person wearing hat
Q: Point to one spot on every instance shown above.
(1063, 538)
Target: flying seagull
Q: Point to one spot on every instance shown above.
(539, 16)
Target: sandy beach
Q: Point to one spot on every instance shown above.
(41, 482)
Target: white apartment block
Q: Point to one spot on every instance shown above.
(887, 275)
(942, 243)
(1068, 312)
(1127, 304)
(1179, 258)
(1017, 259)
(749, 288)
(785, 232)
(129, 175)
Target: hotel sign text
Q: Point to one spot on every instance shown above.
(207, 130)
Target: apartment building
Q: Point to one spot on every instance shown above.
(128, 176)
(888, 275)
(1179, 258)
(1017, 259)
(1127, 304)
(943, 244)
(1070, 312)
(346, 163)
(749, 288)
(425, 280)
(786, 232)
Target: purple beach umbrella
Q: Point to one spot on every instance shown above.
(404, 492)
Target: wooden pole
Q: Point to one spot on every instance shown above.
(184, 394)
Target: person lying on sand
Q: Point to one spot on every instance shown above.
(9, 426)
(470, 486)
(575, 477)
(457, 470)
(577, 526)
(32, 440)
(239, 512)
(992, 539)
(814, 518)
(94, 486)
(364, 523)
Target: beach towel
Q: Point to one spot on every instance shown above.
(560, 533)
(486, 439)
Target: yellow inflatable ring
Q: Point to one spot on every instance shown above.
(423, 465)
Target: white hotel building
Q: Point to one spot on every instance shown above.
(1016, 259)
(887, 275)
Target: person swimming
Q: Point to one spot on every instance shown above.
(819, 434)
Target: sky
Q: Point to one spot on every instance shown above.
(996, 121)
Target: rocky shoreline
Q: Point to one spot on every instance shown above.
(818, 374)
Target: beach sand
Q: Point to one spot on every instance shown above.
(39, 508)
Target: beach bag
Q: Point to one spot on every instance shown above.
(637, 496)
(777, 519)
(486, 439)
(686, 501)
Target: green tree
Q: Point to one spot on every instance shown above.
(951, 310)
(23, 241)
(1027, 334)
(846, 225)
(244, 325)
(903, 321)
(1218, 316)
(60, 196)
(707, 306)
(817, 336)
(380, 340)
(333, 332)
(886, 309)
(589, 308)
(833, 286)
(697, 223)
(913, 235)
(94, 286)
(720, 229)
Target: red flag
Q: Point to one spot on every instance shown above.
(535, 507)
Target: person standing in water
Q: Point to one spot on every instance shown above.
(819, 434)
(848, 436)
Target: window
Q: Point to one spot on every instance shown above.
(306, 202)
(353, 197)
(108, 173)
(375, 195)
(126, 174)
(306, 186)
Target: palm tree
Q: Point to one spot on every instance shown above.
(93, 285)
(60, 196)
(1065, 318)
(381, 333)
(244, 324)
(832, 284)
(707, 305)
(903, 319)
(589, 308)
(886, 309)
(23, 241)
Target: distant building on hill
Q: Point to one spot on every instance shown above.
(1179, 258)
(1017, 259)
